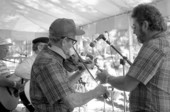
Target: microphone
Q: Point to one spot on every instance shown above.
(93, 43)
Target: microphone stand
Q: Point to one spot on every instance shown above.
(124, 58)
(122, 61)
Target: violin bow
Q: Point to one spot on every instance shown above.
(84, 64)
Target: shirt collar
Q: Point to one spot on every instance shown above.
(58, 51)
(159, 34)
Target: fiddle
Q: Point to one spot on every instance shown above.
(73, 63)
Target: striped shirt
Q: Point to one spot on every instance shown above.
(4, 71)
(49, 83)
(152, 68)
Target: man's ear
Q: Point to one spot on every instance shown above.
(64, 41)
(145, 26)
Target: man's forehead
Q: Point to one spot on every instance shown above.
(134, 20)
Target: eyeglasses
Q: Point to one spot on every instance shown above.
(73, 40)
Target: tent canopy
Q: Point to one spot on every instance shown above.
(27, 19)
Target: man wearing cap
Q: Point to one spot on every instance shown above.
(4, 77)
(50, 86)
(23, 70)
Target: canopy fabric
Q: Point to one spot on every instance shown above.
(26, 19)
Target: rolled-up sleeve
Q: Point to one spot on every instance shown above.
(53, 82)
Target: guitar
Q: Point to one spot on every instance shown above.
(9, 97)
(26, 90)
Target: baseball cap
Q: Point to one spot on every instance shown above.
(5, 41)
(40, 39)
(64, 27)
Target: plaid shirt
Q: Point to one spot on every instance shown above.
(152, 68)
(49, 83)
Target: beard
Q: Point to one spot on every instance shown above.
(141, 36)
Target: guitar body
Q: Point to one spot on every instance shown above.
(26, 90)
(8, 99)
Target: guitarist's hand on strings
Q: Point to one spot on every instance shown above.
(17, 85)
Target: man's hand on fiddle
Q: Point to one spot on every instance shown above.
(81, 67)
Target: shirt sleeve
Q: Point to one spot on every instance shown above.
(23, 69)
(146, 63)
(53, 82)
